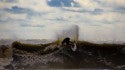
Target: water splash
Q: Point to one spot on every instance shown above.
(69, 31)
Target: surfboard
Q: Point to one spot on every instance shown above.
(74, 47)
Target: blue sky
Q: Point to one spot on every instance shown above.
(98, 20)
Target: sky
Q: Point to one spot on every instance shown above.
(98, 20)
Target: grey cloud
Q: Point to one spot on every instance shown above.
(29, 25)
(96, 11)
(10, 21)
(113, 7)
(58, 19)
(20, 10)
(120, 9)
(9, 1)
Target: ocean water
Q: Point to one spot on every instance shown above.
(64, 58)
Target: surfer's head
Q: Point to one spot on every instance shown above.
(67, 39)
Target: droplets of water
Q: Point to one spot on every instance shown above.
(68, 31)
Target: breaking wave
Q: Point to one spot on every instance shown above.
(52, 56)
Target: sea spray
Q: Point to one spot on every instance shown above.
(68, 31)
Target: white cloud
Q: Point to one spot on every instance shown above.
(15, 16)
(6, 5)
(93, 27)
(111, 3)
(40, 5)
(88, 4)
(116, 2)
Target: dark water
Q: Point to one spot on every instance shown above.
(65, 58)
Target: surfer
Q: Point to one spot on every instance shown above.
(67, 42)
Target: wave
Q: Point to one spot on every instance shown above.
(51, 55)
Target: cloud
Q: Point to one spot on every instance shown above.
(8, 1)
(62, 3)
(111, 2)
(98, 20)
(15, 16)
(87, 4)
(40, 5)
(19, 10)
(28, 25)
(120, 9)
(94, 11)
(16, 9)
(112, 5)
